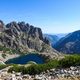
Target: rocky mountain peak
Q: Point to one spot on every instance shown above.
(24, 37)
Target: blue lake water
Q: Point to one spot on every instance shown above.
(26, 58)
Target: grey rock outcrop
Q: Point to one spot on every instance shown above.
(24, 37)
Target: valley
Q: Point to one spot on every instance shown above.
(39, 39)
(24, 48)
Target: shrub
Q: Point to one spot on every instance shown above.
(1, 48)
(72, 60)
(4, 55)
(2, 66)
(35, 68)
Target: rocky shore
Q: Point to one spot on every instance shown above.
(72, 73)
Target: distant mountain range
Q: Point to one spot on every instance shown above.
(54, 38)
(69, 44)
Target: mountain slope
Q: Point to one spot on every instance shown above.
(69, 44)
(52, 38)
(25, 38)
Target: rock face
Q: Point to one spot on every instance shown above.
(69, 44)
(24, 38)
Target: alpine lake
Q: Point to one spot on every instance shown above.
(27, 58)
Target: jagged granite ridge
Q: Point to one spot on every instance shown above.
(25, 38)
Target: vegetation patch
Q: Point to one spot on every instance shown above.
(9, 50)
(4, 55)
(2, 66)
(72, 60)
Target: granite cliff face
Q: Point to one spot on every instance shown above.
(24, 38)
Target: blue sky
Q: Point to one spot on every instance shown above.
(52, 16)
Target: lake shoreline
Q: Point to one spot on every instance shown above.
(32, 56)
